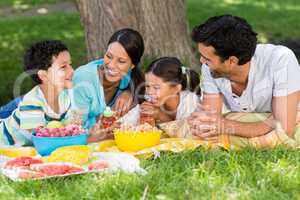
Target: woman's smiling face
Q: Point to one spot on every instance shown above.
(116, 62)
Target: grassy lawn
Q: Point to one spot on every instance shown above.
(216, 174)
(248, 174)
(28, 3)
(274, 20)
(18, 33)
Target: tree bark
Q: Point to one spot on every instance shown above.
(162, 24)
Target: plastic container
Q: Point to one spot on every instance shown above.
(45, 145)
(147, 118)
(108, 118)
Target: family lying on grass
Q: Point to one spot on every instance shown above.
(256, 85)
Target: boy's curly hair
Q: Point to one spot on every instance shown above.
(229, 35)
(39, 56)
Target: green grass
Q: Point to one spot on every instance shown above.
(27, 3)
(215, 174)
(274, 20)
(18, 33)
(248, 174)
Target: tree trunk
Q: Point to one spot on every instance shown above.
(162, 24)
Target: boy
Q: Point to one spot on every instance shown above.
(49, 64)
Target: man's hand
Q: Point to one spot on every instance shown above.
(205, 123)
(123, 103)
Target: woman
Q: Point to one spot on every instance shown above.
(171, 92)
(102, 82)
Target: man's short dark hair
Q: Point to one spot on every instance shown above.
(39, 56)
(229, 35)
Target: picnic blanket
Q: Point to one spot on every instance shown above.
(180, 137)
(270, 140)
(166, 144)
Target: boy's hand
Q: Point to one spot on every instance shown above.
(123, 103)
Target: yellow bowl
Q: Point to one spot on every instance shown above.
(136, 141)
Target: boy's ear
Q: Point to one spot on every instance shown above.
(42, 74)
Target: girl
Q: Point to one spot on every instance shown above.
(171, 92)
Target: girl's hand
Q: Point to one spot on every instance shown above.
(123, 103)
(150, 109)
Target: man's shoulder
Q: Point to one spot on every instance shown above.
(272, 51)
(272, 56)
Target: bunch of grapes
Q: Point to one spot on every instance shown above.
(69, 130)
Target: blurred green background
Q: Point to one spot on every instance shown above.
(276, 21)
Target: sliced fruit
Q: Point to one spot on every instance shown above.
(73, 154)
(18, 151)
(22, 162)
(103, 145)
(55, 124)
(29, 174)
(98, 165)
(53, 169)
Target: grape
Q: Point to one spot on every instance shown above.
(69, 130)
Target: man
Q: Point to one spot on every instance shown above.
(246, 77)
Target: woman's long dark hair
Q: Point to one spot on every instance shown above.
(170, 69)
(133, 43)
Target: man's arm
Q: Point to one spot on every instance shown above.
(247, 129)
(225, 126)
(285, 111)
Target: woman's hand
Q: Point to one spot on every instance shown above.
(98, 133)
(123, 103)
